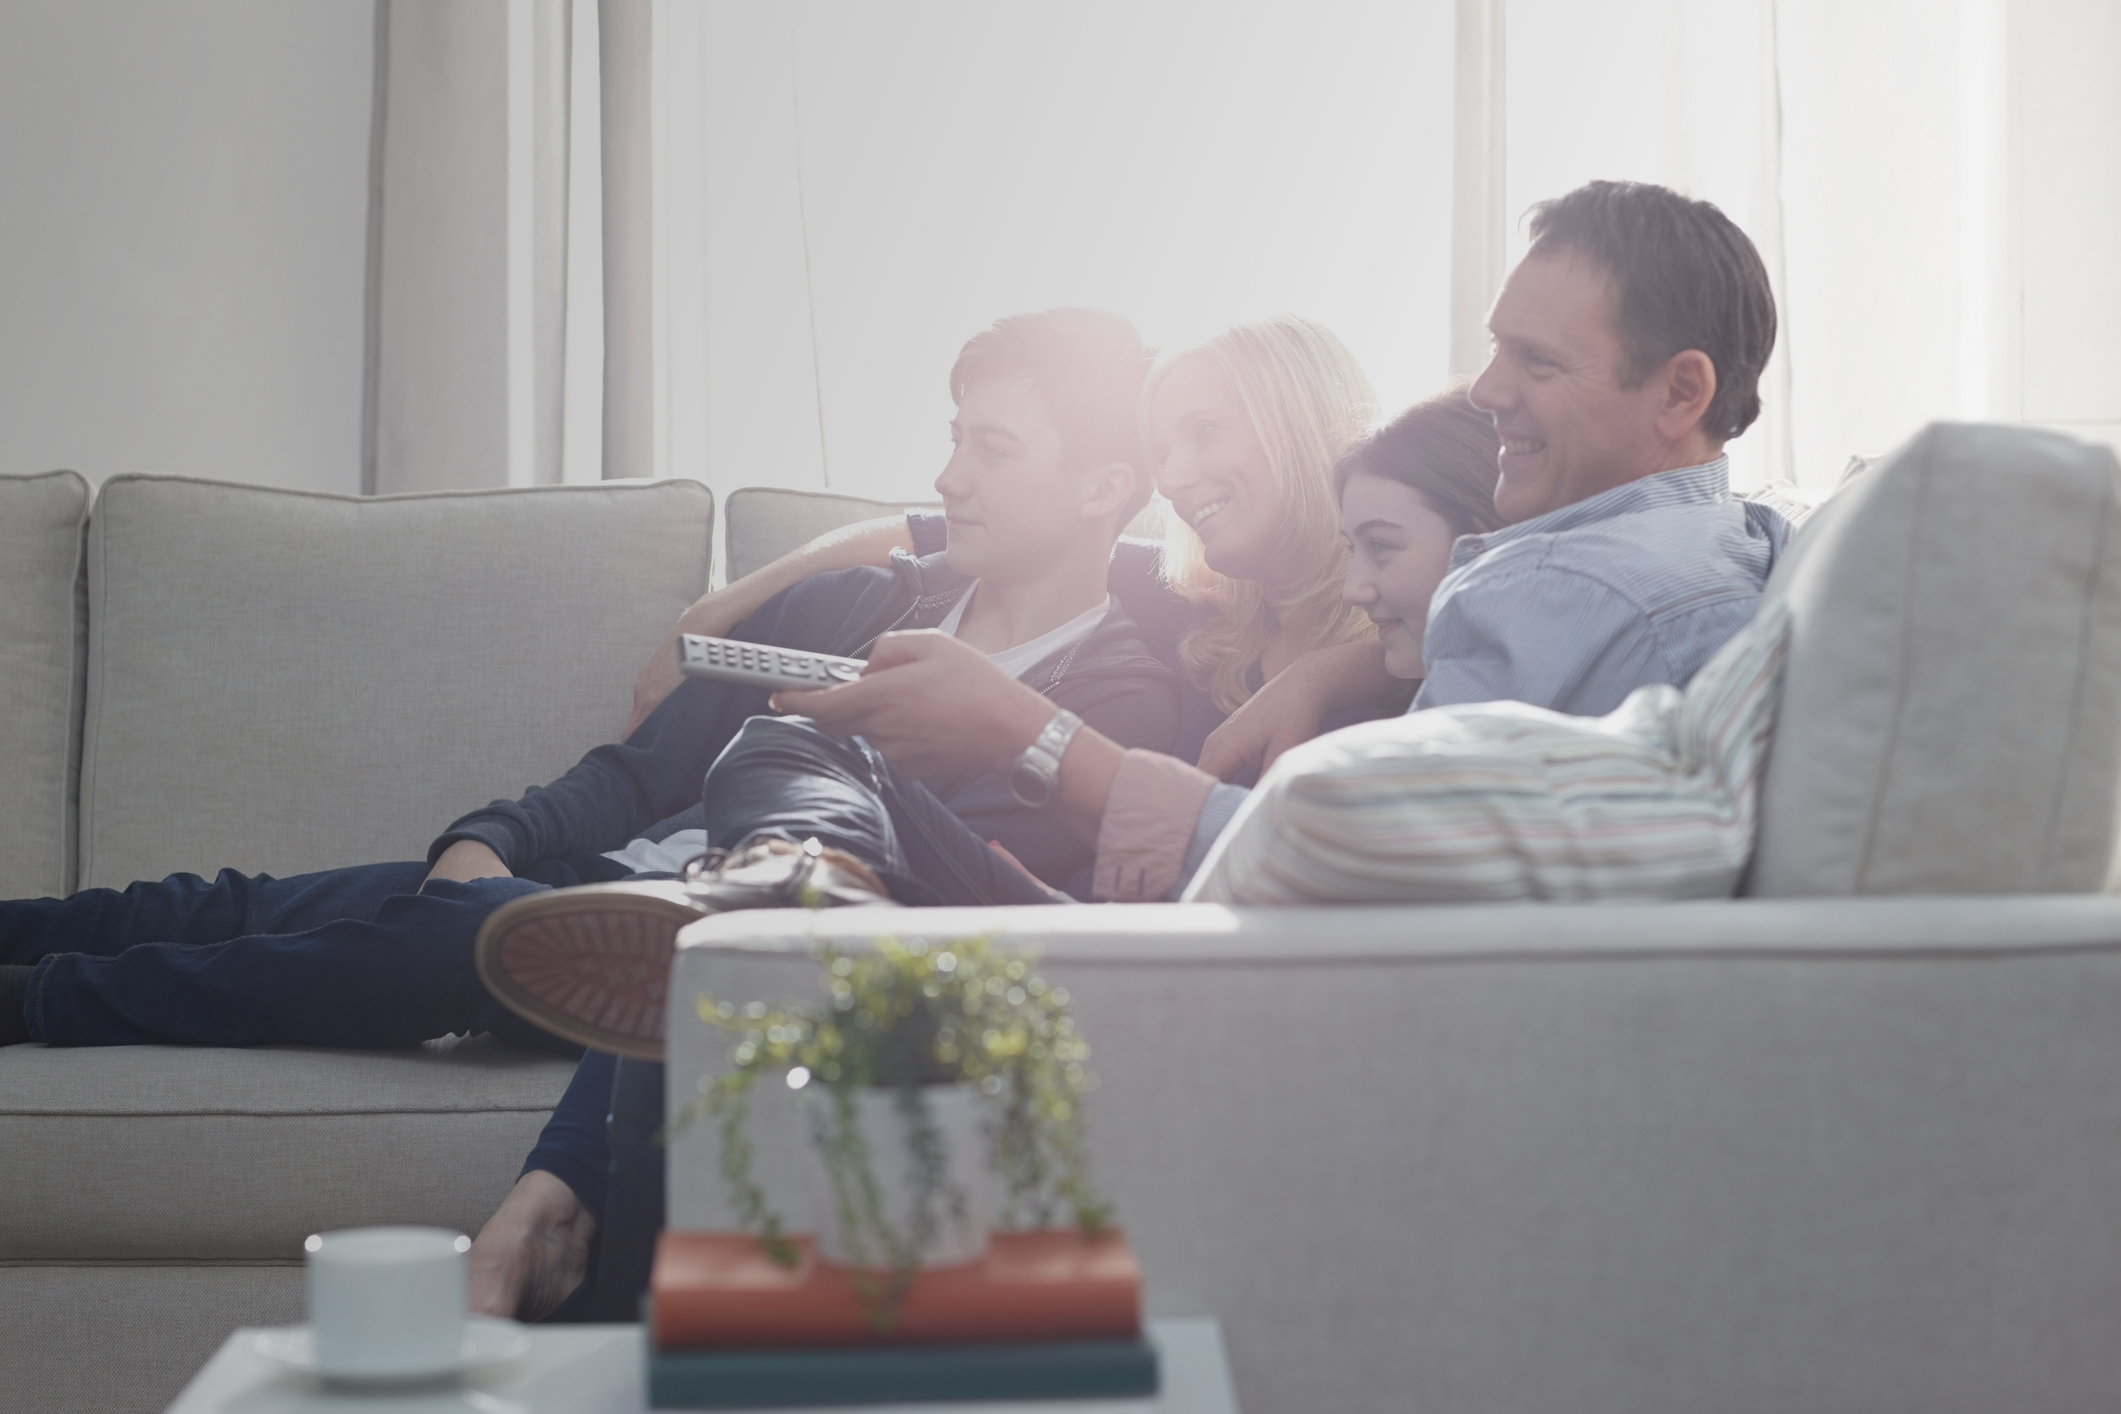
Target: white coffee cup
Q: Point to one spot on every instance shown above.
(387, 1302)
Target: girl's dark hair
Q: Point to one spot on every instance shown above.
(1445, 449)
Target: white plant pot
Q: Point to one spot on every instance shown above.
(966, 1209)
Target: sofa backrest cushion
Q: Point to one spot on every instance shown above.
(764, 523)
(43, 640)
(1951, 714)
(281, 681)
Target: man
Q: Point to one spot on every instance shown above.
(1046, 471)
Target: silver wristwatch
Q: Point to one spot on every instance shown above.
(1036, 770)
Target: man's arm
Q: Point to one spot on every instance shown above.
(716, 615)
(1541, 635)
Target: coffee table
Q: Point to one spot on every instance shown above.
(598, 1370)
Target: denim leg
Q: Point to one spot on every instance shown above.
(782, 777)
(633, 1206)
(185, 908)
(573, 1146)
(396, 976)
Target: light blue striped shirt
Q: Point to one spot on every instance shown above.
(1577, 608)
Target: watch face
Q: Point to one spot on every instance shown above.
(1030, 786)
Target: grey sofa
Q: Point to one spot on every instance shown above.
(196, 675)
(1799, 1150)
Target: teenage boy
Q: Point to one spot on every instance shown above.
(1045, 471)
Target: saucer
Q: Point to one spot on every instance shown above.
(487, 1341)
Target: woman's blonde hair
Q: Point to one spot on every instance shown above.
(1308, 402)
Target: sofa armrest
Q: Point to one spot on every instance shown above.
(1741, 1155)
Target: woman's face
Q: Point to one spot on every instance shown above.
(1402, 551)
(1210, 463)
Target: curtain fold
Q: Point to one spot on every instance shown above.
(469, 208)
(625, 34)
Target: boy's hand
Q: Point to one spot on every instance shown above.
(464, 861)
(533, 1252)
(932, 705)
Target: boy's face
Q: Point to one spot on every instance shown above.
(1013, 501)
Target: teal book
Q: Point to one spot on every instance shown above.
(753, 1379)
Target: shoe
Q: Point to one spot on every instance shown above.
(592, 964)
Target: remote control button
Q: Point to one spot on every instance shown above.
(845, 672)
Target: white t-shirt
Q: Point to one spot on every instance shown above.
(669, 855)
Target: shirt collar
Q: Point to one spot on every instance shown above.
(1704, 485)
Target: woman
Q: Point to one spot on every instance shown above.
(1408, 492)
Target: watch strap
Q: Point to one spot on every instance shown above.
(1036, 770)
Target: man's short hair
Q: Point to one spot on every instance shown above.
(1089, 366)
(1684, 277)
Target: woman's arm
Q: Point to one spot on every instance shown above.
(1292, 707)
(716, 615)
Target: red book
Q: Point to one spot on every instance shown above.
(719, 1290)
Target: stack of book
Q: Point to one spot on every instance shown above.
(1045, 1315)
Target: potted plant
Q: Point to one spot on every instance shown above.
(926, 1070)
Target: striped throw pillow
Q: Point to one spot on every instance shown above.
(1497, 801)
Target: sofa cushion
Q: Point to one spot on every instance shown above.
(1951, 715)
(282, 681)
(151, 1153)
(1499, 802)
(43, 638)
(764, 523)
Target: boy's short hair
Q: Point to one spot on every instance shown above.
(1684, 277)
(1089, 366)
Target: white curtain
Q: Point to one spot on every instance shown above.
(742, 242)
(848, 189)
(487, 260)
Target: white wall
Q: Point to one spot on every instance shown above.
(183, 237)
(1871, 178)
(2066, 156)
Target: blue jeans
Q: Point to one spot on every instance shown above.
(346, 957)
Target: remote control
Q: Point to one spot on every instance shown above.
(758, 665)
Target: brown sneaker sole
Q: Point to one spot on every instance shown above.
(590, 964)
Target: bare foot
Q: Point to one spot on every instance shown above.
(533, 1252)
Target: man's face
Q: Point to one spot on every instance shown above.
(1012, 500)
(1556, 389)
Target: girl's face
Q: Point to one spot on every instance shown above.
(1210, 463)
(1402, 551)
